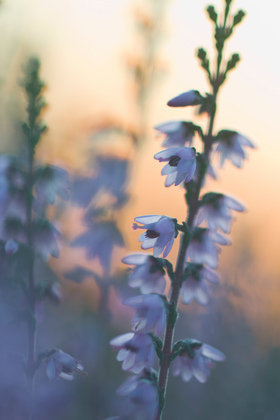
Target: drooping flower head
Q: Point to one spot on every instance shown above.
(177, 133)
(160, 233)
(203, 248)
(148, 273)
(181, 164)
(215, 209)
(231, 146)
(195, 286)
(136, 351)
(142, 397)
(196, 359)
(189, 98)
(45, 238)
(50, 181)
(150, 313)
(62, 365)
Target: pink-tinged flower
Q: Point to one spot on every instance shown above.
(195, 287)
(181, 164)
(203, 248)
(148, 273)
(150, 313)
(196, 359)
(136, 351)
(216, 209)
(142, 398)
(192, 97)
(62, 365)
(177, 133)
(160, 233)
(231, 146)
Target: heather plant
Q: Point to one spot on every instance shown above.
(208, 214)
(28, 238)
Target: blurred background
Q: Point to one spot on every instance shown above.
(110, 67)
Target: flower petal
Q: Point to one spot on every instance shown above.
(135, 259)
(153, 218)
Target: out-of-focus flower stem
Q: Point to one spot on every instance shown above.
(31, 325)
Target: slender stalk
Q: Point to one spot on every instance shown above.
(185, 240)
(177, 283)
(170, 329)
(31, 326)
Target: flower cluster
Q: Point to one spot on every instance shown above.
(209, 221)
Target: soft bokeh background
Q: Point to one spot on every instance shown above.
(85, 47)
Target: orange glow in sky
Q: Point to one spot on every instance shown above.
(82, 45)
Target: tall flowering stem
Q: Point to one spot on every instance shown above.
(193, 203)
(32, 130)
(198, 254)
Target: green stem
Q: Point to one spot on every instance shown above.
(176, 286)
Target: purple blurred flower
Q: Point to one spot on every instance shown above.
(160, 233)
(112, 174)
(83, 189)
(136, 351)
(189, 98)
(16, 205)
(195, 286)
(181, 164)
(177, 133)
(99, 241)
(231, 146)
(44, 238)
(142, 398)
(148, 274)
(196, 359)
(215, 209)
(62, 365)
(51, 181)
(203, 248)
(150, 313)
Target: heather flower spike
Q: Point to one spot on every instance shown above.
(155, 316)
(190, 98)
(160, 233)
(180, 167)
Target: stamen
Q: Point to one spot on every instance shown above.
(174, 160)
(151, 234)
